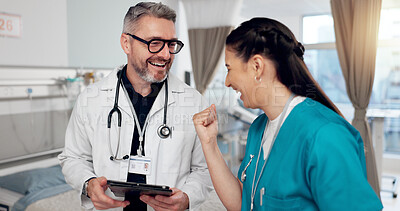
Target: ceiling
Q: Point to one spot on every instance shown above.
(286, 8)
(283, 8)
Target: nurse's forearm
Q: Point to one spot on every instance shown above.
(225, 183)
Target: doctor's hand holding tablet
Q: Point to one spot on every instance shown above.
(95, 190)
(162, 197)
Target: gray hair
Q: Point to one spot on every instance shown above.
(141, 9)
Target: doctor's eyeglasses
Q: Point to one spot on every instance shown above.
(156, 45)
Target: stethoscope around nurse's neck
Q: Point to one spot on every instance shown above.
(243, 176)
(163, 130)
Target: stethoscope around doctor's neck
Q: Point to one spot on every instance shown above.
(163, 130)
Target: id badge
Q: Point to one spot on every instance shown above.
(140, 165)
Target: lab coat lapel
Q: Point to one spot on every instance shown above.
(110, 86)
(125, 103)
(160, 100)
(157, 117)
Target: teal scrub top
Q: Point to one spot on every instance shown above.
(316, 163)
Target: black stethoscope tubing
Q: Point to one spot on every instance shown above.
(115, 108)
(163, 131)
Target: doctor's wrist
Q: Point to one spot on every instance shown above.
(85, 186)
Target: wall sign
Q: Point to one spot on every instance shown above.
(10, 25)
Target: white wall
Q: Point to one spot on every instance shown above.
(44, 34)
(73, 33)
(94, 30)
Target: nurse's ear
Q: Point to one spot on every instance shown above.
(125, 43)
(257, 63)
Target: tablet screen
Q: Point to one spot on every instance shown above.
(120, 188)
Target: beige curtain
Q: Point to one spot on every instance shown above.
(208, 23)
(356, 28)
(206, 48)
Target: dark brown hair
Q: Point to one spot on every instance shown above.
(275, 41)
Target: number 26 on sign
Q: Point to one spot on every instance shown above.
(10, 25)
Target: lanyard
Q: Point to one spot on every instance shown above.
(140, 129)
(254, 188)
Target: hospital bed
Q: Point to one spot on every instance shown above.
(36, 186)
(35, 103)
(40, 186)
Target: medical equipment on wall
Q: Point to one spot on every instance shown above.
(29, 117)
(163, 130)
(73, 86)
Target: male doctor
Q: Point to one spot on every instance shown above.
(156, 129)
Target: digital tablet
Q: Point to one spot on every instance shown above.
(120, 188)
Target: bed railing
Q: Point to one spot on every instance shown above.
(35, 103)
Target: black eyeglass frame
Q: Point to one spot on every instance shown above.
(162, 40)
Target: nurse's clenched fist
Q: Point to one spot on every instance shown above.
(206, 125)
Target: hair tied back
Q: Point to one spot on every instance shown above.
(299, 50)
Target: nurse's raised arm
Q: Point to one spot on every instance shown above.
(227, 186)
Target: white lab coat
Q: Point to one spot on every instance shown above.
(177, 161)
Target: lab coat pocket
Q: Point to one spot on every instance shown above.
(175, 152)
(274, 204)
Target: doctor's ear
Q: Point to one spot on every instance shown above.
(125, 43)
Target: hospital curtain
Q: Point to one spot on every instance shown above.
(206, 48)
(356, 24)
(209, 23)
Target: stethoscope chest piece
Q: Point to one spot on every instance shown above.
(164, 131)
(243, 176)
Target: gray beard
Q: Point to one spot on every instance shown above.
(144, 74)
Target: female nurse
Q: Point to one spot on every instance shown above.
(301, 154)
